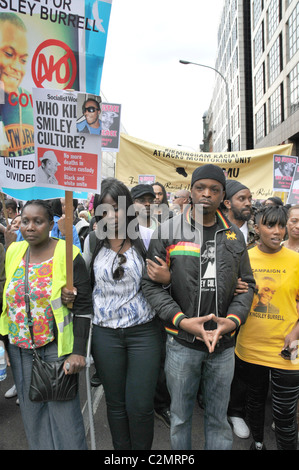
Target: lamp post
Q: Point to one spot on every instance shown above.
(229, 142)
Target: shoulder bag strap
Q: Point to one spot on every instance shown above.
(27, 298)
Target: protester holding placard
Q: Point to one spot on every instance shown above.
(57, 332)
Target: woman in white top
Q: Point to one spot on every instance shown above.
(126, 343)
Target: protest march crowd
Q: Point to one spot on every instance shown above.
(193, 300)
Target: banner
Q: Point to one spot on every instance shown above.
(283, 172)
(51, 44)
(174, 167)
(293, 197)
(110, 127)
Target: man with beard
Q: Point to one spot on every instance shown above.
(238, 203)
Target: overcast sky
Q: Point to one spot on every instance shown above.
(162, 101)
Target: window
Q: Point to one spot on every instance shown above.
(274, 60)
(293, 25)
(274, 17)
(275, 108)
(260, 123)
(259, 82)
(259, 43)
(257, 11)
(235, 33)
(294, 89)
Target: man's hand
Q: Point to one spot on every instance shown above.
(195, 326)
(224, 325)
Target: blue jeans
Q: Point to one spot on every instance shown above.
(185, 369)
(56, 425)
(128, 361)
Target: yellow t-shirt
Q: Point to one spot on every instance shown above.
(273, 313)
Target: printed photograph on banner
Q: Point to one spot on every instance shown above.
(72, 39)
(283, 172)
(89, 114)
(111, 116)
(24, 64)
(64, 158)
(293, 197)
(146, 179)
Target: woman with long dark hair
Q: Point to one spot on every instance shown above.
(126, 342)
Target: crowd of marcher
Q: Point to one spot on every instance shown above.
(197, 299)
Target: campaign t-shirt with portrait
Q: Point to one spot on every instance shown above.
(273, 313)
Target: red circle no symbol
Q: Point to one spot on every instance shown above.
(44, 65)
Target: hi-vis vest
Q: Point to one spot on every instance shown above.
(63, 317)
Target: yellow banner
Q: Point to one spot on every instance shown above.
(254, 168)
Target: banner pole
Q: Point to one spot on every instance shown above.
(69, 214)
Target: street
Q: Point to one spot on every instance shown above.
(12, 436)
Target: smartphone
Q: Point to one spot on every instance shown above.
(286, 353)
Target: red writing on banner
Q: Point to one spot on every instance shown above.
(44, 67)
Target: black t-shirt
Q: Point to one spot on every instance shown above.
(208, 279)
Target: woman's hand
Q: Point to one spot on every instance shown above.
(291, 341)
(74, 364)
(68, 296)
(158, 272)
(241, 287)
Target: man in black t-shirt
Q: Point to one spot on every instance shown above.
(206, 254)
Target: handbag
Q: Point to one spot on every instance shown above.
(48, 380)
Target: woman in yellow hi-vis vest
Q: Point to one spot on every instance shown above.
(57, 331)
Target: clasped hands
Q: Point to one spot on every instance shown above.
(195, 326)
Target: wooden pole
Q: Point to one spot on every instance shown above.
(69, 214)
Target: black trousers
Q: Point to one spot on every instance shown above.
(128, 362)
(284, 393)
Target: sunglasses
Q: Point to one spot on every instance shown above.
(91, 109)
(119, 272)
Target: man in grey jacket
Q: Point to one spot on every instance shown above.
(206, 254)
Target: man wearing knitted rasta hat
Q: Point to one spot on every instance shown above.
(238, 202)
(200, 311)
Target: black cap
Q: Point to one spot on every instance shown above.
(208, 171)
(233, 187)
(142, 189)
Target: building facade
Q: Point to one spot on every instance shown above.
(275, 66)
(258, 54)
(233, 62)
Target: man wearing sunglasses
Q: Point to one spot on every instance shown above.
(90, 122)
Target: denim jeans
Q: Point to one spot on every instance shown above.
(56, 425)
(186, 368)
(128, 361)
